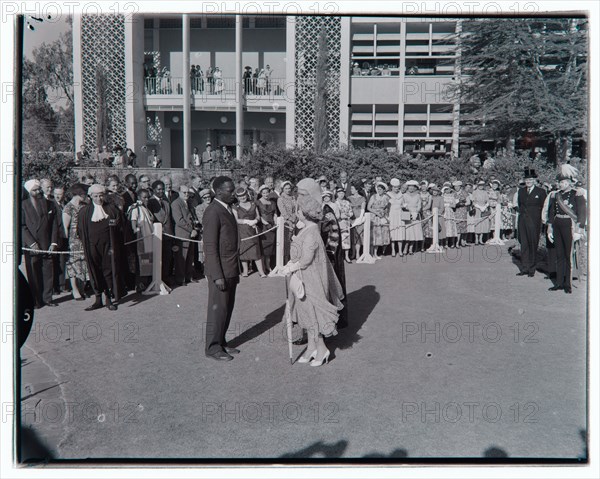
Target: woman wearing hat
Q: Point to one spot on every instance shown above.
(425, 204)
(316, 301)
(359, 204)
(327, 199)
(378, 206)
(346, 214)
(267, 210)
(507, 215)
(460, 212)
(397, 228)
(449, 220)
(436, 202)
(248, 217)
(286, 204)
(481, 204)
(414, 229)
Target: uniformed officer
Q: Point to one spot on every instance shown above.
(567, 218)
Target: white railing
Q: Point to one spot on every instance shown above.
(201, 86)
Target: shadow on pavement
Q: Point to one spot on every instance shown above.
(271, 319)
(495, 452)
(337, 450)
(361, 304)
(32, 449)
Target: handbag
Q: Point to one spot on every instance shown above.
(296, 285)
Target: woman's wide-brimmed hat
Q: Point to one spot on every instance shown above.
(263, 187)
(286, 182)
(411, 183)
(395, 182)
(481, 183)
(241, 191)
(457, 183)
(382, 184)
(327, 193)
(205, 192)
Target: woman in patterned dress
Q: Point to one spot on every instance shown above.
(495, 194)
(248, 217)
(413, 204)
(359, 204)
(286, 204)
(397, 228)
(346, 214)
(460, 212)
(267, 210)
(378, 206)
(449, 204)
(507, 217)
(481, 203)
(76, 266)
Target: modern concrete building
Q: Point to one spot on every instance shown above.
(388, 82)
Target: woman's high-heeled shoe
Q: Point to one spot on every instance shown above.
(315, 363)
(303, 360)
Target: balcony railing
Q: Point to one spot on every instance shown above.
(219, 86)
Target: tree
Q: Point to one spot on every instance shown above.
(102, 119)
(321, 74)
(531, 79)
(48, 119)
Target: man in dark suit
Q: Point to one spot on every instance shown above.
(130, 195)
(530, 202)
(39, 228)
(170, 194)
(221, 250)
(183, 222)
(161, 209)
(344, 183)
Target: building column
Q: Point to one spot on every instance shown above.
(239, 106)
(135, 115)
(187, 92)
(401, 79)
(78, 86)
(345, 79)
(456, 106)
(290, 82)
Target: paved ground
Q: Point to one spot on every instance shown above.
(454, 358)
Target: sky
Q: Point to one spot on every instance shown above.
(46, 31)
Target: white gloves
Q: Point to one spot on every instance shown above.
(290, 268)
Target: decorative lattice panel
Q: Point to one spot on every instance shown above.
(103, 45)
(307, 46)
(153, 128)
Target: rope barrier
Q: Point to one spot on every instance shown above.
(136, 240)
(40, 251)
(259, 234)
(182, 239)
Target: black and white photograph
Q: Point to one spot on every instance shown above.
(300, 235)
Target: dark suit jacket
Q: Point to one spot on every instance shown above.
(221, 242)
(39, 228)
(172, 196)
(182, 218)
(162, 215)
(346, 188)
(531, 205)
(128, 200)
(194, 198)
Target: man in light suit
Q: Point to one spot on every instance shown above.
(221, 250)
(39, 229)
(530, 202)
(184, 228)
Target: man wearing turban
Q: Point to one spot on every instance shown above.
(100, 228)
(39, 230)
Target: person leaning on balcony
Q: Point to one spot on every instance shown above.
(82, 156)
(196, 157)
(130, 158)
(208, 155)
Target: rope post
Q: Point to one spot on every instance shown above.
(279, 244)
(157, 285)
(497, 226)
(435, 246)
(366, 256)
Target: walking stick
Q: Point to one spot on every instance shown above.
(288, 319)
